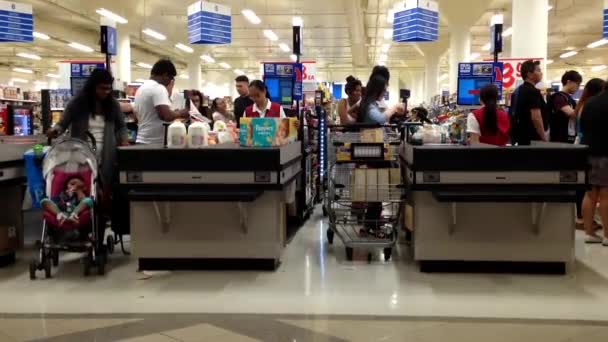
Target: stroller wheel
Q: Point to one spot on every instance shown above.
(87, 263)
(55, 257)
(47, 268)
(33, 269)
(110, 244)
(330, 236)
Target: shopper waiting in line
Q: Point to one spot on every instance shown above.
(243, 101)
(562, 117)
(198, 101)
(592, 107)
(219, 108)
(382, 71)
(528, 120)
(348, 108)
(262, 106)
(489, 125)
(94, 110)
(153, 104)
(593, 88)
(371, 111)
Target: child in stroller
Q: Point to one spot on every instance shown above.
(70, 203)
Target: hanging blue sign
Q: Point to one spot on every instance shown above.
(605, 18)
(474, 76)
(209, 23)
(16, 22)
(416, 21)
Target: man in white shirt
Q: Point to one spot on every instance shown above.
(153, 105)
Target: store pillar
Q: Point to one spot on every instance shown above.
(530, 36)
(195, 73)
(123, 59)
(431, 74)
(460, 20)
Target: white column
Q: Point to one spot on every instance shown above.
(123, 59)
(460, 51)
(195, 72)
(431, 73)
(393, 88)
(530, 37)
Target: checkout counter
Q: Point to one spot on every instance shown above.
(12, 188)
(222, 206)
(493, 208)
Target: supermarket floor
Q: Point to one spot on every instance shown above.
(316, 295)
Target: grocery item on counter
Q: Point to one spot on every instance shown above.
(177, 135)
(266, 132)
(198, 135)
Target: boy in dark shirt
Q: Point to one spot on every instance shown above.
(562, 120)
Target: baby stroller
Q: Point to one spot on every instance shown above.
(69, 158)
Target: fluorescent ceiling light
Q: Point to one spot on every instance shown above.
(549, 61)
(284, 47)
(598, 43)
(568, 54)
(52, 75)
(293, 57)
(382, 63)
(251, 77)
(144, 65)
(271, 35)
(598, 68)
(549, 8)
(184, 48)
(184, 77)
(239, 72)
(225, 65)
(388, 33)
(80, 47)
(23, 70)
(442, 77)
(111, 15)
(154, 34)
(486, 47)
(297, 21)
(251, 16)
(208, 59)
(570, 48)
(19, 80)
(140, 80)
(29, 56)
(41, 36)
(508, 32)
(383, 57)
(474, 56)
(41, 82)
(390, 16)
(386, 47)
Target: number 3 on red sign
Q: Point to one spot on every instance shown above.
(508, 76)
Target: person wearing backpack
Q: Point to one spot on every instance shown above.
(561, 109)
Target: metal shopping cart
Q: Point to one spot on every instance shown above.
(365, 193)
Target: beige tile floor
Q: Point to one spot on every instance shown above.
(316, 295)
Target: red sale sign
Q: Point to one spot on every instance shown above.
(512, 70)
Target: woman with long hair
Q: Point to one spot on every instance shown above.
(219, 108)
(262, 106)
(348, 108)
(371, 111)
(198, 101)
(592, 197)
(489, 125)
(94, 110)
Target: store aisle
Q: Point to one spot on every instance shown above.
(315, 279)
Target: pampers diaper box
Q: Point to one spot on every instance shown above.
(267, 132)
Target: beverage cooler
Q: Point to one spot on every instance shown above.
(17, 120)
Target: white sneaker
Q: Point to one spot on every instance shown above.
(596, 239)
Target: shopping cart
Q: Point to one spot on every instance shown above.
(365, 193)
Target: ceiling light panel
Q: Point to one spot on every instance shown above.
(271, 35)
(154, 34)
(184, 48)
(251, 16)
(111, 15)
(29, 56)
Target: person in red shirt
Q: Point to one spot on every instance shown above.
(262, 106)
(489, 125)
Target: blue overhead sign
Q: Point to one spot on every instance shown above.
(605, 18)
(85, 69)
(209, 23)
(109, 40)
(416, 21)
(16, 22)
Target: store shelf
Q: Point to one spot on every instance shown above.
(57, 109)
(20, 101)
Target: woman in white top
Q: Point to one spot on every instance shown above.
(348, 108)
(220, 110)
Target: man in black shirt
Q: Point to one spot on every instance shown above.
(243, 101)
(562, 118)
(528, 124)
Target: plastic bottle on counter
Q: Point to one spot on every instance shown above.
(177, 135)
(198, 135)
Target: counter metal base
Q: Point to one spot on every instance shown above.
(7, 258)
(557, 268)
(149, 264)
